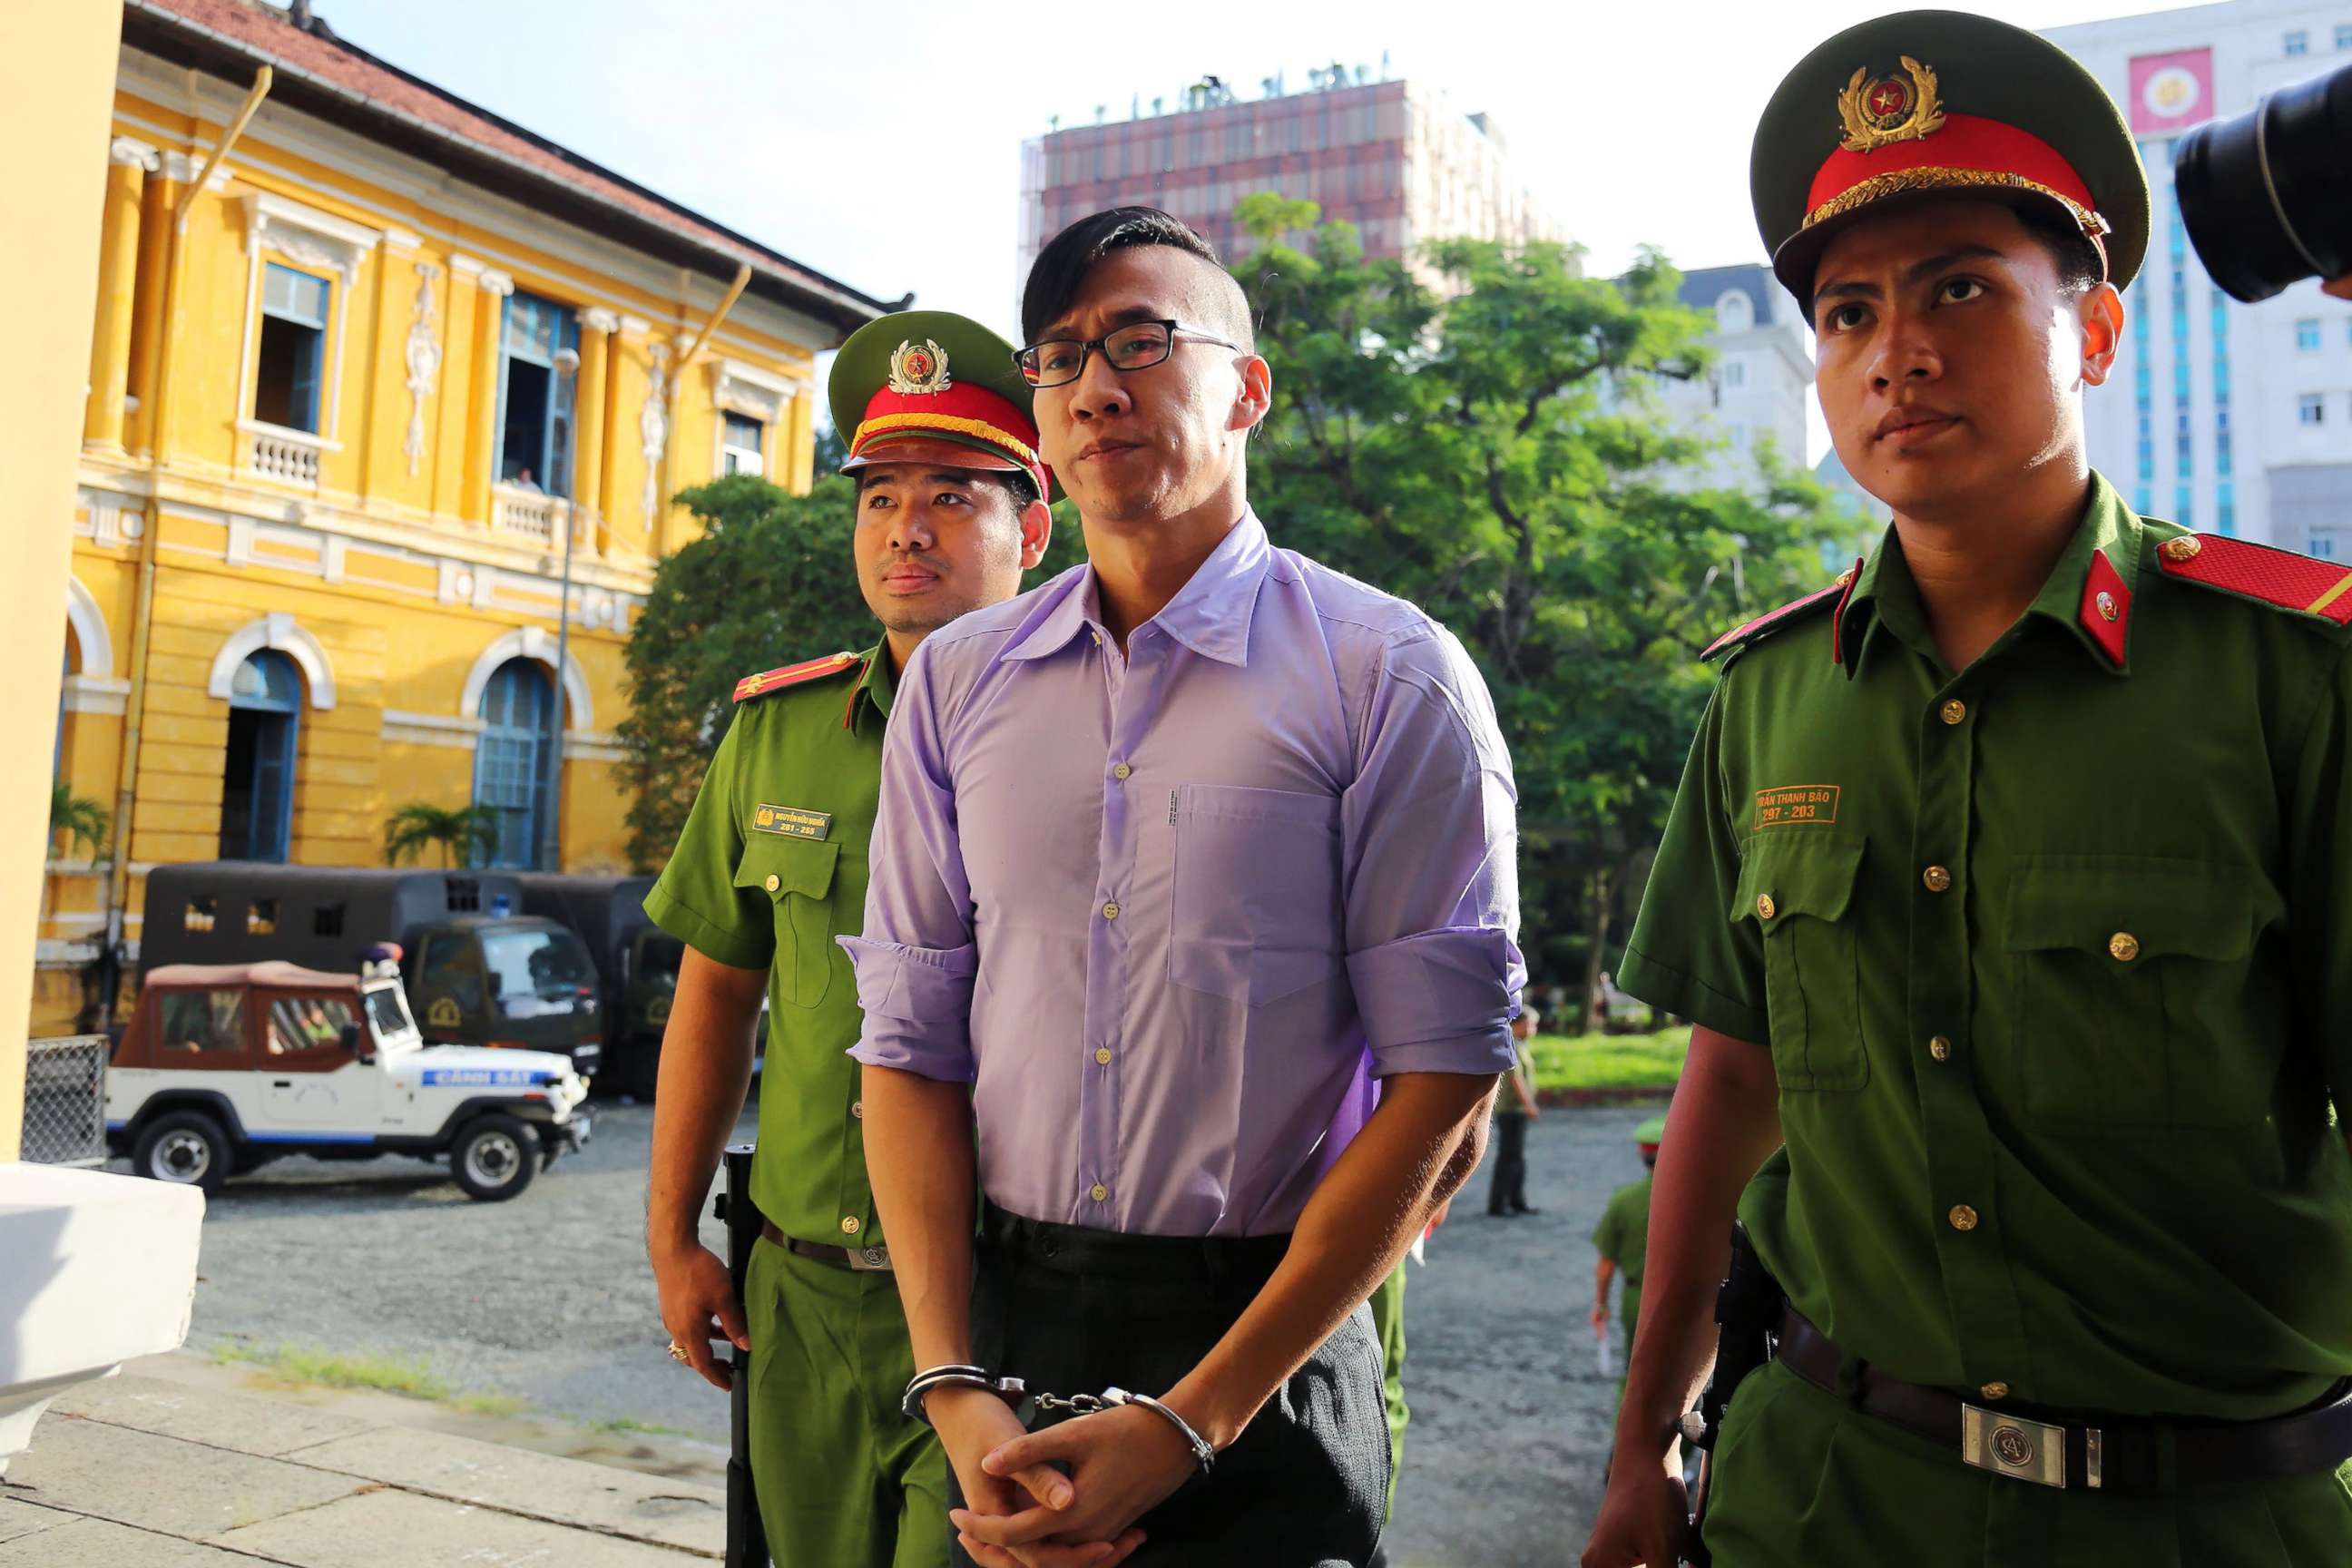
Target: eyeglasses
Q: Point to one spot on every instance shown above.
(1057, 362)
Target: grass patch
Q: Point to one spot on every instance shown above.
(295, 1364)
(623, 1426)
(1609, 1061)
(499, 1405)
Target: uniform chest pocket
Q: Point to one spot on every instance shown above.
(1797, 884)
(796, 877)
(1254, 912)
(2130, 1000)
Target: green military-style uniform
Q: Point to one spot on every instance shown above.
(2053, 954)
(769, 869)
(1622, 1237)
(2055, 960)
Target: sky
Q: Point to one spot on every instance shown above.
(881, 144)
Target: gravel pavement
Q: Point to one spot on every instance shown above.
(547, 1298)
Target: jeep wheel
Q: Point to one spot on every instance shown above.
(183, 1146)
(495, 1158)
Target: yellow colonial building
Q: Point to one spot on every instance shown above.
(353, 400)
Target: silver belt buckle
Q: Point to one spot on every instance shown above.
(2020, 1449)
(869, 1259)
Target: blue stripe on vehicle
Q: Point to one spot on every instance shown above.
(309, 1137)
(114, 1126)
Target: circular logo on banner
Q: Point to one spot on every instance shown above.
(2171, 93)
(443, 1013)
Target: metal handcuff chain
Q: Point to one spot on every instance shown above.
(1028, 1405)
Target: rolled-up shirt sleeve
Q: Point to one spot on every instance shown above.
(1431, 859)
(915, 960)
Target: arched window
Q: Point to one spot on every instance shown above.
(1734, 310)
(514, 759)
(264, 705)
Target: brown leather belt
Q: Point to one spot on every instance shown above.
(858, 1259)
(2123, 1454)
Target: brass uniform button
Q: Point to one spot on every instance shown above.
(1994, 1391)
(1098, 1191)
(849, 1225)
(1765, 908)
(774, 882)
(1120, 772)
(1110, 911)
(2122, 947)
(2182, 549)
(858, 1110)
(1962, 1217)
(1937, 880)
(1955, 710)
(1940, 1047)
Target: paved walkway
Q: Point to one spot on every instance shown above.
(148, 1471)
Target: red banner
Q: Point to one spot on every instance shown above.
(2169, 94)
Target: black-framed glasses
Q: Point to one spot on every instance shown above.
(1057, 362)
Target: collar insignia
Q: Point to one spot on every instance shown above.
(918, 371)
(1901, 108)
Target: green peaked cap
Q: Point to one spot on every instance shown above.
(936, 377)
(1654, 1130)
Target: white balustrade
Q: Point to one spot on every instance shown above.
(287, 456)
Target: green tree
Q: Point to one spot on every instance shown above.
(769, 582)
(1495, 454)
(82, 820)
(463, 834)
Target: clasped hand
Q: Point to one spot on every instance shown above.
(1068, 1496)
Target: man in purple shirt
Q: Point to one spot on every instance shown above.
(1164, 848)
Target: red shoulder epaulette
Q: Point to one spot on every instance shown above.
(1772, 620)
(752, 686)
(2280, 577)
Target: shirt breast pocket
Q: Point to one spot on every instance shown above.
(2130, 978)
(1797, 884)
(1255, 911)
(796, 877)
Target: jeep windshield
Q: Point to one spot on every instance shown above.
(387, 1013)
(536, 972)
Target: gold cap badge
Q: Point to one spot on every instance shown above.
(917, 372)
(1903, 108)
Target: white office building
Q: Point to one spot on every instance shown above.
(2228, 418)
(1754, 395)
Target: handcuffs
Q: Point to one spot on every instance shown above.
(1026, 1403)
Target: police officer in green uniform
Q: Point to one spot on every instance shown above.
(1623, 1240)
(771, 866)
(2008, 889)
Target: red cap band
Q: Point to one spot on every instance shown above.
(1968, 151)
(965, 409)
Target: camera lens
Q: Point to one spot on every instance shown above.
(2267, 197)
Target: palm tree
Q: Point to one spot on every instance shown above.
(463, 833)
(81, 819)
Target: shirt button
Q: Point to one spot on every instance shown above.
(1937, 878)
(1120, 772)
(774, 882)
(1102, 1056)
(1940, 1047)
(849, 1225)
(1765, 908)
(1962, 1217)
(1994, 1391)
(2122, 947)
(858, 1110)
(1110, 911)
(1955, 710)
(1098, 1191)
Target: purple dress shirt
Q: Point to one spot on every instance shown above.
(1154, 909)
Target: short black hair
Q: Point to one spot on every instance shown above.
(1011, 481)
(2080, 267)
(1060, 269)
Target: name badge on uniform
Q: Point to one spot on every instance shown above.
(792, 822)
(1799, 805)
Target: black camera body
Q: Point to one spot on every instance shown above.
(2267, 197)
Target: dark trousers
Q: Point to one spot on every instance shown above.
(1071, 1311)
(1509, 1187)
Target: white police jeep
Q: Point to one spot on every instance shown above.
(228, 1067)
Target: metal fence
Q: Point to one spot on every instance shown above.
(65, 1101)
